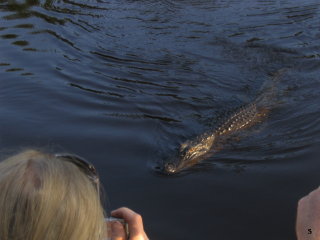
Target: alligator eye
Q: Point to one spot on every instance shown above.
(183, 146)
(170, 168)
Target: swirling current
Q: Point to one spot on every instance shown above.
(125, 83)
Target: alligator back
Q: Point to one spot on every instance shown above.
(243, 118)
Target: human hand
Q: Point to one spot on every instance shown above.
(308, 217)
(134, 222)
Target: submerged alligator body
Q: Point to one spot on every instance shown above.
(194, 151)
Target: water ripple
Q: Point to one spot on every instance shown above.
(177, 65)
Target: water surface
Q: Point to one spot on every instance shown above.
(123, 83)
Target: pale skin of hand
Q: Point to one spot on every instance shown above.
(308, 217)
(135, 225)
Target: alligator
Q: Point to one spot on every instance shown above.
(194, 151)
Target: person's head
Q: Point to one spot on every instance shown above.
(45, 197)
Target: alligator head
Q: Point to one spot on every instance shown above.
(189, 154)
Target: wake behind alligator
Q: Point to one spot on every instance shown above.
(203, 146)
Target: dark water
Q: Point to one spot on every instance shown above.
(123, 83)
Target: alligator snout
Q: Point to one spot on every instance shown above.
(169, 168)
(166, 169)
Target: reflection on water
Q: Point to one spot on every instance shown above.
(124, 83)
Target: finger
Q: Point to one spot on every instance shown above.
(127, 214)
(133, 219)
(123, 212)
(117, 231)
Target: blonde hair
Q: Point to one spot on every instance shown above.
(45, 198)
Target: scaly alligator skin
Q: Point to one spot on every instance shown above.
(192, 152)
